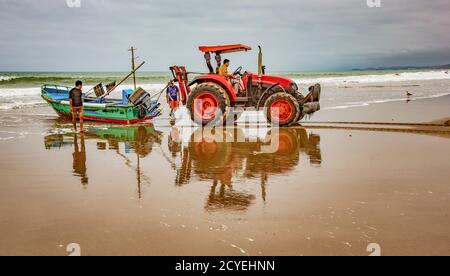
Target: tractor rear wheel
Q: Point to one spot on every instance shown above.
(208, 104)
(282, 109)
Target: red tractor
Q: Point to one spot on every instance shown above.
(214, 99)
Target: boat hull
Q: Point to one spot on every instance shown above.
(108, 113)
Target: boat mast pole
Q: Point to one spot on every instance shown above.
(133, 66)
(124, 79)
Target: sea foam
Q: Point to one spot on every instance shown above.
(382, 78)
(7, 78)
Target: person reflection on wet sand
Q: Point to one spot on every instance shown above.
(174, 141)
(223, 162)
(79, 159)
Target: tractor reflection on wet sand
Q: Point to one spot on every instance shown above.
(214, 99)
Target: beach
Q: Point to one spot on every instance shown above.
(372, 167)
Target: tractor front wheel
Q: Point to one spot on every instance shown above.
(208, 104)
(282, 109)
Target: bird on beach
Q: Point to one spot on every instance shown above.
(408, 94)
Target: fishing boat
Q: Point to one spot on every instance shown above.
(136, 105)
(120, 111)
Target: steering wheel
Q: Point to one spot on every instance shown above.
(237, 71)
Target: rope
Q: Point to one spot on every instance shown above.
(159, 96)
(160, 93)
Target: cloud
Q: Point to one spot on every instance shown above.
(296, 35)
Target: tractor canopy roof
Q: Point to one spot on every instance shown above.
(222, 49)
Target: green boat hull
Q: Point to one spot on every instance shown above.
(107, 112)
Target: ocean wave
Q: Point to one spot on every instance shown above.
(14, 98)
(19, 105)
(38, 79)
(26, 92)
(23, 92)
(30, 80)
(7, 78)
(382, 78)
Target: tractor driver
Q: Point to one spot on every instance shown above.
(223, 71)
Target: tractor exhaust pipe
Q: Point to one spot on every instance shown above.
(260, 63)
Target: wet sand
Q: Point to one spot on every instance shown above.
(328, 189)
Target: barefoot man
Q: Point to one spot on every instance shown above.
(76, 105)
(172, 96)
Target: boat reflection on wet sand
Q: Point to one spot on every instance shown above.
(209, 158)
(137, 139)
(212, 158)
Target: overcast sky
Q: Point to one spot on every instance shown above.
(47, 35)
